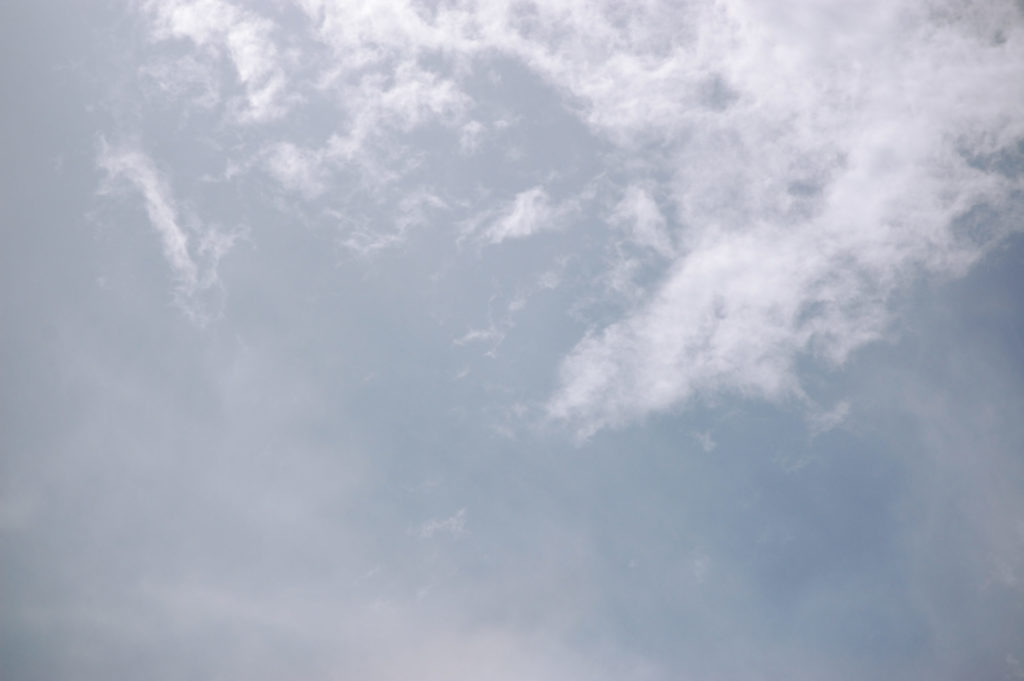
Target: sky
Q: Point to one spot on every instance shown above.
(523, 341)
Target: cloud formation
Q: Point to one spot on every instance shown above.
(807, 162)
(834, 173)
(242, 36)
(528, 213)
(193, 261)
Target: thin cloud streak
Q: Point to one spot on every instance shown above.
(137, 169)
(193, 262)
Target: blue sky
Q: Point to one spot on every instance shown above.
(510, 340)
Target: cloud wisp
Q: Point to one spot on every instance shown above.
(529, 212)
(192, 254)
(242, 36)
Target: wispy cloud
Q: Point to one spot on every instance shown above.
(824, 182)
(298, 170)
(192, 254)
(453, 526)
(643, 221)
(780, 186)
(243, 36)
(138, 169)
(528, 213)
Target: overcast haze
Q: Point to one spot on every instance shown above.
(455, 339)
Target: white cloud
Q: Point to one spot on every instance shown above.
(393, 99)
(835, 175)
(377, 110)
(240, 34)
(528, 213)
(809, 177)
(809, 159)
(470, 137)
(823, 421)
(417, 208)
(707, 443)
(296, 169)
(491, 336)
(646, 225)
(137, 168)
(184, 77)
(194, 264)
